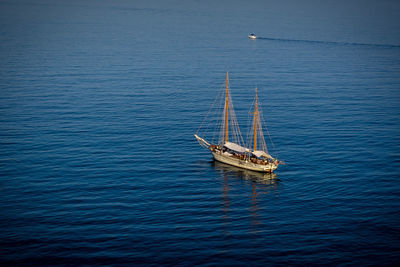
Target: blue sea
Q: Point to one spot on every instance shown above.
(99, 101)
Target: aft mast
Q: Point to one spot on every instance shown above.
(255, 123)
(256, 138)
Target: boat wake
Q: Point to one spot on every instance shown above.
(327, 42)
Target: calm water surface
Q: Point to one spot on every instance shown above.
(99, 102)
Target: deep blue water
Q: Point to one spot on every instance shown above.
(99, 101)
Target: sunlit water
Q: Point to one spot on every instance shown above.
(99, 102)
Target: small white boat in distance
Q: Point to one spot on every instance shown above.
(252, 36)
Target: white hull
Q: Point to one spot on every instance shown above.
(231, 160)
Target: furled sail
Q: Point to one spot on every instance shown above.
(260, 153)
(202, 142)
(236, 147)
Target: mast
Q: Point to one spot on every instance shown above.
(226, 107)
(255, 124)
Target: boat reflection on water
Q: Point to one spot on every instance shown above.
(258, 177)
(262, 184)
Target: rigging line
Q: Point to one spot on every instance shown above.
(232, 120)
(261, 139)
(218, 120)
(249, 124)
(261, 133)
(269, 135)
(250, 138)
(213, 109)
(235, 124)
(208, 113)
(236, 130)
(211, 124)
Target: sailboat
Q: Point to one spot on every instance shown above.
(230, 147)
